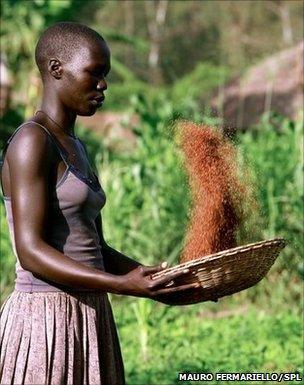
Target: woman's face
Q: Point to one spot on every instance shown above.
(82, 84)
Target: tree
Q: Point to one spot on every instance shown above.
(156, 12)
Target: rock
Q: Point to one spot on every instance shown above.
(274, 84)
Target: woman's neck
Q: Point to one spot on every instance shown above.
(54, 109)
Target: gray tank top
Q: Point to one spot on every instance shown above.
(75, 203)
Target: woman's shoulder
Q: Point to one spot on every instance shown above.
(29, 142)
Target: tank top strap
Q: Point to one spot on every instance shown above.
(62, 151)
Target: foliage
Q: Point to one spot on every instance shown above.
(147, 195)
(145, 217)
(199, 83)
(146, 192)
(220, 32)
(118, 97)
(189, 62)
(148, 199)
(185, 94)
(9, 122)
(164, 341)
(150, 184)
(274, 149)
(22, 22)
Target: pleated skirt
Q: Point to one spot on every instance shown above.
(56, 338)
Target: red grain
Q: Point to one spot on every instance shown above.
(217, 192)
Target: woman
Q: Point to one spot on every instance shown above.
(57, 325)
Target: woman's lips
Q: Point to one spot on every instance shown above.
(98, 101)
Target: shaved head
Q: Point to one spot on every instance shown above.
(62, 41)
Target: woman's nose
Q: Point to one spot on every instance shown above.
(102, 84)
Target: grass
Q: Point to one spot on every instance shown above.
(242, 339)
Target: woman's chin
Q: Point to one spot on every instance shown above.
(89, 112)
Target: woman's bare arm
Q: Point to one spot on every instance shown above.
(114, 261)
(29, 158)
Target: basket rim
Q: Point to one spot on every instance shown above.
(211, 257)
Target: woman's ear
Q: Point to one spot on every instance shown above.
(55, 68)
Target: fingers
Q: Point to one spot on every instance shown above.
(153, 269)
(177, 289)
(169, 277)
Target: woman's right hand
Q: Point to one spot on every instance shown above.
(139, 283)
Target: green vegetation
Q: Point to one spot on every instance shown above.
(257, 330)
(162, 341)
(145, 217)
(148, 203)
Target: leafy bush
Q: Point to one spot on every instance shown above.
(199, 83)
(147, 190)
(187, 95)
(119, 95)
(274, 150)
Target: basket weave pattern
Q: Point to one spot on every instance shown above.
(226, 272)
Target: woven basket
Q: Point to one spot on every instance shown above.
(226, 272)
